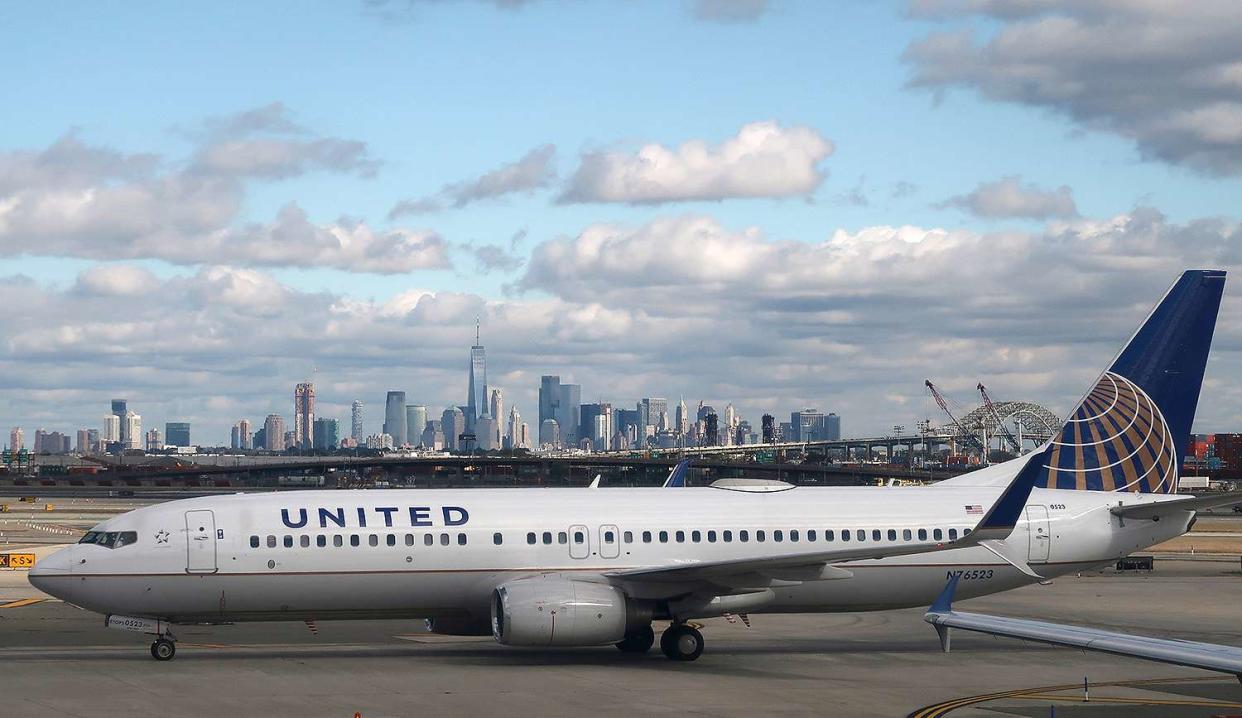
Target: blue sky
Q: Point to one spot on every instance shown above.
(445, 92)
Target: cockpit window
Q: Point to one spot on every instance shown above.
(110, 539)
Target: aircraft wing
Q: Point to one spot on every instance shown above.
(1157, 509)
(992, 529)
(1208, 656)
(677, 477)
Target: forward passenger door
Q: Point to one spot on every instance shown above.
(609, 541)
(579, 541)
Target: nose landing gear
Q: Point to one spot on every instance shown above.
(681, 642)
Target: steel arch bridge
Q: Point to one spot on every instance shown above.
(1023, 418)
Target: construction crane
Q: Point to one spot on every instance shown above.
(987, 401)
(961, 430)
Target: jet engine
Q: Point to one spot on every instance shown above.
(556, 611)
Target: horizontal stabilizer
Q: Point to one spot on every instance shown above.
(1157, 509)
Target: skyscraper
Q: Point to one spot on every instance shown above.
(549, 397)
(768, 428)
(497, 411)
(476, 402)
(415, 422)
(131, 430)
(832, 427)
(327, 434)
(549, 434)
(394, 417)
(155, 442)
(683, 418)
(84, 441)
(453, 423)
(355, 427)
(119, 409)
(17, 439)
(569, 413)
(303, 415)
(177, 433)
(112, 429)
(241, 435)
(649, 411)
(513, 440)
(274, 433)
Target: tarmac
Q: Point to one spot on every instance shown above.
(58, 660)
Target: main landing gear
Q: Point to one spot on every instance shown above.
(639, 641)
(164, 648)
(681, 642)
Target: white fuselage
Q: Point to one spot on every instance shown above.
(440, 553)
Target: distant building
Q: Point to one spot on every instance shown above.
(514, 438)
(83, 445)
(274, 433)
(711, 429)
(92, 441)
(768, 428)
(808, 425)
(241, 438)
(523, 440)
(304, 416)
(415, 422)
(379, 441)
(327, 434)
(453, 424)
(486, 433)
(17, 439)
(497, 412)
(289, 440)
(155, 442)
(549, 397)
(596, 424)
(683, 418)
(832, 427)
(120, 407)
(549, 434)
(649, 412)
(177, 433)
(477, 396)
(112, 429)
(433, 435)
(131, 430)
(394, 417)
(355, 426)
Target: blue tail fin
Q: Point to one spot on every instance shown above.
(1131, 430)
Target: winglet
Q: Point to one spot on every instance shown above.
(944, 602)
(677, 477)
(595, 482)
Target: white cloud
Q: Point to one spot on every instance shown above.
(1167, 75)
(762, 160)
(1008, 197)
(535, 170)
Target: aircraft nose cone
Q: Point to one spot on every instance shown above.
(43, 575)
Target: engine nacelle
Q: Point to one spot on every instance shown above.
(555, 611)
(459, 626)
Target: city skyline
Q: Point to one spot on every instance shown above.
(799, 204)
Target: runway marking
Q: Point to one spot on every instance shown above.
(1042, 693)
(22, 602)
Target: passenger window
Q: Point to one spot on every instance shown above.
(409, 539)
(922, 534)
(681, 537)
(965, 532)
(810, 535)
(444, 540)
(547, 538)
(354, 540)
(793, 534)
(743, 536)
(875, 534)
(892, 534)
(860, 534)
(646, 537)
(829, 535)
(461, 539)
(629, 536)
(937, 534)
(579, 537)
(727, 536)
(952, 534)
(321, 541)
(610, 537)
(287, 541)
(497, 538)
(562, 538)
(761, 536)
(254, 541)
(663, 537)
(778, 535)
(373, 540)
(391, 540)
(696, 536)
(906, 535)
(304, 541)
(271, 541)
(429, 540)
(531, 538)
(711, 537)
(845, 534)
(337, 541)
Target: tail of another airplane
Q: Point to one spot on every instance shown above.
(1131, 430)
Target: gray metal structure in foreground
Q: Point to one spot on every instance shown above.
(1208, 656)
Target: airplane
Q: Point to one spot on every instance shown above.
(566, 567)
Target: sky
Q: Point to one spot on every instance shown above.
(770, 203)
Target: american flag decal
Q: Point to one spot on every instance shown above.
(975, 509)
